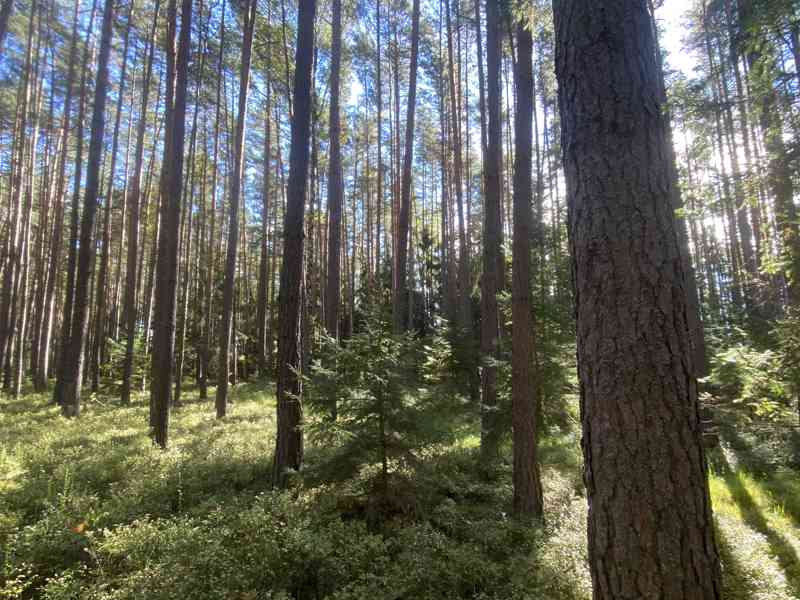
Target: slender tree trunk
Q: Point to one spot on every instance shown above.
(289, 438)
(778, 166)
(13, 256)
(463, 258)
(70, 379)
(102, 278)
(524, 388)
(638, 389)
(134, 197)
(379, 94)
(263, 265)
(335, 184)
(43, 354)
(66, 318)
(205, 346)
(400, 303)
(171, 182)
(225, 331)
(492, 280)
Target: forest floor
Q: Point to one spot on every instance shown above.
(89, 509)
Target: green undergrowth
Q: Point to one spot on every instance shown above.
(89, 509)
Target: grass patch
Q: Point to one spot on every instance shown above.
(91, 510)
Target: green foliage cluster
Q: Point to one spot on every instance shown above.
(754, 379)
(388, 397)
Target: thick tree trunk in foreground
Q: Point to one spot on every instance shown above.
(524, 389)
(226, 327)
(70, 379)
(400, 303)
(289, 437)
(166, 279)
(651, 532)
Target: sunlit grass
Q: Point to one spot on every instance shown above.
(91, 509)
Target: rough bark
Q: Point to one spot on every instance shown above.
(492, 279)
(289, 436)
(524, 389)
(650, 526)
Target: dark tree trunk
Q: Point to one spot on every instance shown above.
(289, 438)
(72, 257)
(226, 326)
(70, 379)
(335, 184)
(400, 303)
(524, 389)
(171, 182)
(651, 532)
(492, 280)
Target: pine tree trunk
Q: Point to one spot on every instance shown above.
(492, 279)
(335, 184)
(225, 331)
(779, 177)
(458, 168)
(289, 442)
(69, 295)
(133, 199)
(651, 533)
(43, 353)
(102, 278)
(70, 379)
(524, 388)
(263, 264)
(171, 183)
(400, 303)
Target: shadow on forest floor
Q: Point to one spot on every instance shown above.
(761, 504)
